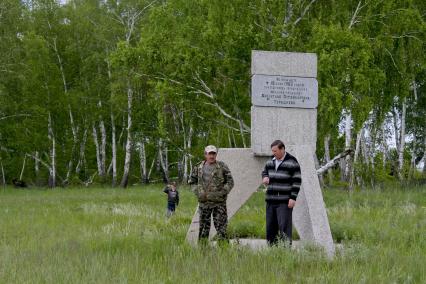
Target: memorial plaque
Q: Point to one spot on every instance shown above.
(283, 91)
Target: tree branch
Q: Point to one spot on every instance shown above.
(334, 161)
(304, 12)
(227, 115)
(15, 115)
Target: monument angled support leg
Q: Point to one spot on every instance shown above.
(246, 169)
(309, 218)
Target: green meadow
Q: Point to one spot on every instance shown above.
(104, 235)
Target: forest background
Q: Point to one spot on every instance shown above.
(125, 92)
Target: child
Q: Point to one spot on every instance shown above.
(172, 198)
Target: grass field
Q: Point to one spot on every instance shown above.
(103, 235)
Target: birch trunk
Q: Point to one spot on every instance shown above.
(402, 141)
(114, 152)
(424, 155)
(333, 162)
(182, 171)
(233, 138)
(113, 138)
(23, 167)
(142, 162)
(288, 12)
(412, 165)
(371, 149)
(242, 133)
(357, 149)
(102, 173)
(327, 157)
(151, 167)
(95, 140)
(52, 167)
(81, 156)
(74, 129)
(36, 167)
(162, 157)
(395, 117)
(384, 145)
(126, 171)
(364, 151)
(317, 166)
(70, 163)
(187, 156)
(2, 174)
(348, 137)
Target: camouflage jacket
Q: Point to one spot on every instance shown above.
(217, 188)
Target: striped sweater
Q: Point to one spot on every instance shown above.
(284, 183)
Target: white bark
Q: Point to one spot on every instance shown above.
(372, 150)
(70, 162)
(36, 165)
(229, 138)
(187, 157)
(2, 174)
(74, 129)
(142, 162)
(327, 156)
(61, 68)
(424, 156)
(114, 151)
(317, 166)
(102, 150)
(333, 162)
(365, 151)
(244, 127)
(348, 138)
(384, 144)
(233, 138)
(152, 166)
(162, 157)
(395, 117)
(52, 167)
(354, 19)
(242, 133)
(357, 149)
(305, 10)
(81, 157)
(402, 141)
(95, 140)
(412, 164)
(23, 167)
(126, 171)
(288, 12)
(113, 138)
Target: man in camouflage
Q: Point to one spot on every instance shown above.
(211, 181)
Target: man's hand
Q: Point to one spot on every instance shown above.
(291, 203)
(265, 180)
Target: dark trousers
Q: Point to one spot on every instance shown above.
(220, 220)
(278, 222)
(171, 207)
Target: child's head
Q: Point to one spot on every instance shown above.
(172, 185)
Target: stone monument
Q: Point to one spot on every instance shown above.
(284, 96)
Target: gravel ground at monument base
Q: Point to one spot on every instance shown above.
(104, 235)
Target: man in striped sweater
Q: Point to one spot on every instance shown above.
(283, 178)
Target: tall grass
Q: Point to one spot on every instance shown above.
(103, 235)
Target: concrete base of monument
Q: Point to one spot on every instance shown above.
(261, 244)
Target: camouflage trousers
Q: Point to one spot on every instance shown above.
(220, 220)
